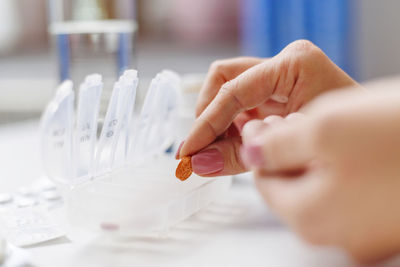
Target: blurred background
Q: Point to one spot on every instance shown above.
(43, 42)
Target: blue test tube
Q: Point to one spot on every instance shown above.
(124, 52)
(64, 56)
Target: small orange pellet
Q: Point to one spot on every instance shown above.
(184, 169)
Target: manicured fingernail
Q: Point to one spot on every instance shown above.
(207, 162)
(179, 150)
(252, 155)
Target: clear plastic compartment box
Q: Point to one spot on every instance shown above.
(121, 183)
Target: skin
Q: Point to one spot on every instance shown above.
(239, 90)
(333, 173)
(330, 172)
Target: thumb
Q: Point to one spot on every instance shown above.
(247, 91)
(220, 158)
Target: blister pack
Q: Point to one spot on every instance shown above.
(32, 214)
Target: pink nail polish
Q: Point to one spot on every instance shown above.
(208, 162)
(252, 155)
(179, 150)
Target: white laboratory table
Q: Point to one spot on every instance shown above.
(237, 231)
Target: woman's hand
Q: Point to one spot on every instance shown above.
(333, 174)
(242, 89)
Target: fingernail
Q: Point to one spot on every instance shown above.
(179, 150)
(252, 155)
(207, 162)
(280, 98)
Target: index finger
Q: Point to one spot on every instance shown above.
(246, 91)
(219, 73)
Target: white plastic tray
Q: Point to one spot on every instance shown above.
(139, 201)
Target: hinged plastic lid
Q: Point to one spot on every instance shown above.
(72, 154)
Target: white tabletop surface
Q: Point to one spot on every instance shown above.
(237, 231)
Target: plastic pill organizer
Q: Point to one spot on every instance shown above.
(122, 181)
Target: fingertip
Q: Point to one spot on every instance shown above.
(183, 151)
(252, 130)
(273, 119)
(177, 154)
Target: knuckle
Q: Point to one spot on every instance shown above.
(216, 72)
(302, 45)
(264, 73)
(217, 66)
(284, 67)
(229, 86)
(305, 50)
(209, 124)
(228, 90)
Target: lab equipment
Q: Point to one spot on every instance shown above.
(89, 35)
(93, 36)
(10, 26)
(267, 26)
(131, 190)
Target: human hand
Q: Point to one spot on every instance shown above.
(333, 173)
(238, 90)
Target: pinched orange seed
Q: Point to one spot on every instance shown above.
(184, 169)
